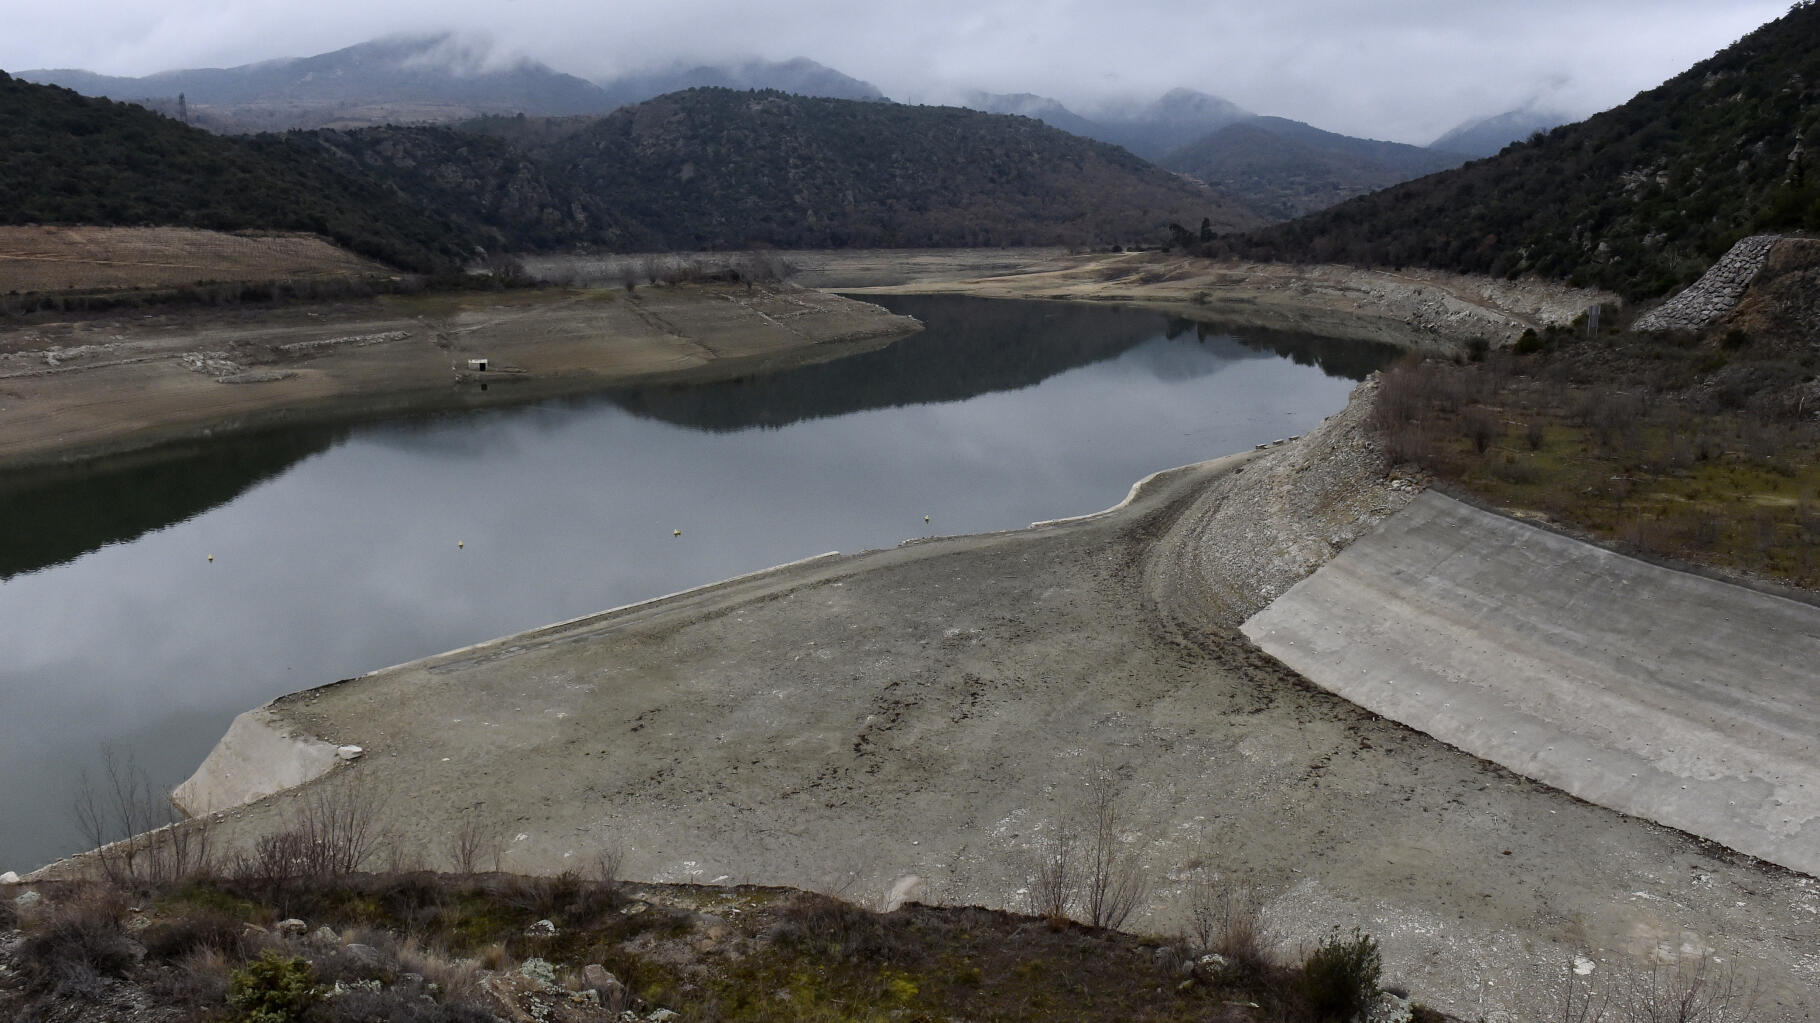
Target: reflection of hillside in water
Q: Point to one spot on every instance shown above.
(974, 346)
(1352, 360)
(970, 347)
(56, 517)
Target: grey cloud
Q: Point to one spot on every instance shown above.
(1407, 70)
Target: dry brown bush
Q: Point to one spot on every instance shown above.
(476, 843)
(1116, 885)
(76, 947)
(332, 830)
(138, 837)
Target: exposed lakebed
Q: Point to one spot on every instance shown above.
(337, 551)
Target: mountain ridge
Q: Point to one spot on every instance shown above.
(1639, 199)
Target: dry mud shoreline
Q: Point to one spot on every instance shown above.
(78, 388)
(1420, 309)
(932, 711)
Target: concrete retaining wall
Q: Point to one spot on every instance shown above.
(1683, 700)
(257, 757)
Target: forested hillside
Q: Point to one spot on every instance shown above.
(718, 169)
(702, 169)
(1284, 168)
(1639, 199)
(69, 159)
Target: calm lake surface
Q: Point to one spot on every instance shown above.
(335, 550)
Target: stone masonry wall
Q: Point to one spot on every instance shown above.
(1716, 293)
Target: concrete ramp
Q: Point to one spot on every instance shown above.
(257, 757)
(1683, 700)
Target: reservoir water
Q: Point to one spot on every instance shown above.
(336, 551)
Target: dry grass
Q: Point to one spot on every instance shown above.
(1649, 449)
(39, 259)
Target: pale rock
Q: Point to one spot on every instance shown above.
(349, 752)
(292, 928)
(10, 877)
(541, 929)
(539, 972)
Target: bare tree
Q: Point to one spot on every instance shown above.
(475, 842)
(609, 861)
(1057, 883)
(1228, 920)
(331, 830)
(1693, 990)
(1115, 880)
(138, 837)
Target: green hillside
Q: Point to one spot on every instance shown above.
(1639, 199)
(69, 159)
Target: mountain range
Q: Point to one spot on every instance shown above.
(421, 79)
(1277, 167)
(708, 168)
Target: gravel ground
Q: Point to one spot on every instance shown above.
(934, 711)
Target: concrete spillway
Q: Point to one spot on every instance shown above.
(1679, 699)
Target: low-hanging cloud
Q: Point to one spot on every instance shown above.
(1403, 70)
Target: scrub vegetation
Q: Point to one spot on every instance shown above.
(1697, 448)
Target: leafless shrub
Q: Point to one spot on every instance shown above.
(333, 830)
(1408, 444)
(476, 843)
(1534, 434)
(609, 863)
(1406, 393)
(1481, 427)
(1115, 880)
(1228, 921)
(1690, 991)
(1057, 882)
(138, 837)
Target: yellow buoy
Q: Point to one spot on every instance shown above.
(925, 518)
(461, 544)
(675, 532)
(211, 558)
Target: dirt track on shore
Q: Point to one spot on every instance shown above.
(935, 709)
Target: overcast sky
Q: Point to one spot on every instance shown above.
(1399, 69)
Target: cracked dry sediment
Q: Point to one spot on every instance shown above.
(934, 709)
